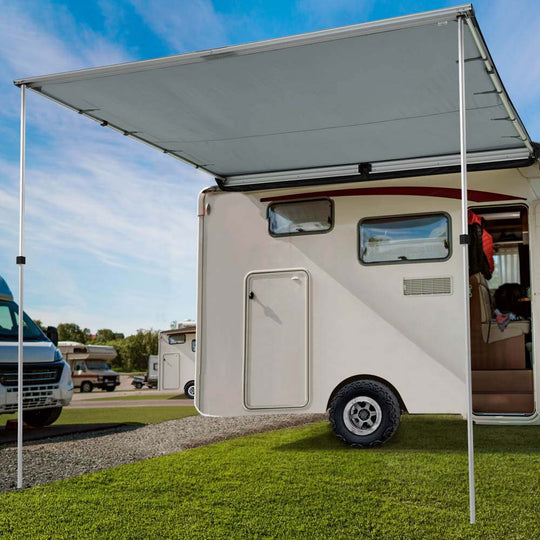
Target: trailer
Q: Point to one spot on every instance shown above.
(176, 352)
(333, 267)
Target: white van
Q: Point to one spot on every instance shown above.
(176, 351)
(47, 385)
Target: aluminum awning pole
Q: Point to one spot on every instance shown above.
(464, 241)
(20, 262)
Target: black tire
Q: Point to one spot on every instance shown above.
(86, 387)
(189, 390)
(110, 388)
(41, 417)
(377, 416)
(138, 385)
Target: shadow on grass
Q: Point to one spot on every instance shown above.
(432, 434)
(61, 432)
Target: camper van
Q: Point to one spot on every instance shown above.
(47, 384)
(333, 247)
(89, 365)
(177, 348)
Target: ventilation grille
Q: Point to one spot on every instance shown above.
(427, 286)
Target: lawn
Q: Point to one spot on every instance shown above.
(301, 483)
(124, 415)
(138, 397)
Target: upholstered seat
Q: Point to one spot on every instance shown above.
(491, 347)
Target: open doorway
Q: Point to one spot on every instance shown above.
(500, 309)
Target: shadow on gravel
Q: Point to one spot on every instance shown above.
(52, 434)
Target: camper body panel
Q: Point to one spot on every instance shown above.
(176, 354)
(361, 324)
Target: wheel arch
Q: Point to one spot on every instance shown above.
(367, 377)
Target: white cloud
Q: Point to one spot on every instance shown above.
(186, 26)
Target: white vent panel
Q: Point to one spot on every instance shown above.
(427, 286)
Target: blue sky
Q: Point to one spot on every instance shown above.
(111, 224)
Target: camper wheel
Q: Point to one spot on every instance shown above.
(189, 389)
(364, 413)
(86, 387)
(41, 417)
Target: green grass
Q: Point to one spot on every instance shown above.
(128, 415)
(301, 483)
(135, 398)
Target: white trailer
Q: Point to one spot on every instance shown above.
(333, 270)
(176, 352)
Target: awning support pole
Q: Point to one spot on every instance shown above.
(20, 262)
(465, 244)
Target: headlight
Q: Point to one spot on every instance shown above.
(57, 355)
(100, 378)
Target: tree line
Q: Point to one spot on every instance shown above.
(133, 351)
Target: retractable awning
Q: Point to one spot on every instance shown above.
(373, 99)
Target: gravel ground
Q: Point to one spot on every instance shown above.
(73, 455)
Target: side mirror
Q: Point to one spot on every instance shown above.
(52, 334)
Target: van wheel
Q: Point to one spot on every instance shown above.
(41, 417)
(86, 387)
(189, 390)
(138, 385)
(364, 414)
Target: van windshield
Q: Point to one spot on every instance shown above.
(97, 365)
(9, 324)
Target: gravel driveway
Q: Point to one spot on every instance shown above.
(73, 455)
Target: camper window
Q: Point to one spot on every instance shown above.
(193, 345)
(304, 217)
(177, 339)
(404, 239)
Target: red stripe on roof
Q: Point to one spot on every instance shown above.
(416, 191)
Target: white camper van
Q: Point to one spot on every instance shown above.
(176, 353)
(47, 385)
(332, 264)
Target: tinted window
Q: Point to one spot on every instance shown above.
(403, 239)
(9, 324)
(176, 339)
(305, 217)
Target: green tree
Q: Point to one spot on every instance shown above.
(73, 332)
(103, 335)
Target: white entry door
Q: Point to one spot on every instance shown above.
(171, 371)
(276, 359)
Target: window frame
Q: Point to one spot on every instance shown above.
(173, 337)
(300, 201)
(397, 217)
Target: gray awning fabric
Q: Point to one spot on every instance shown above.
(370, 93)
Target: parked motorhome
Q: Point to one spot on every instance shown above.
(47, 384)
(90, 365)
(332, 267)
(177, 348)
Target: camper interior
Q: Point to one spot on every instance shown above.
(500, 309)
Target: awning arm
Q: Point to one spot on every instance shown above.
(464, 241)
(497, 83)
